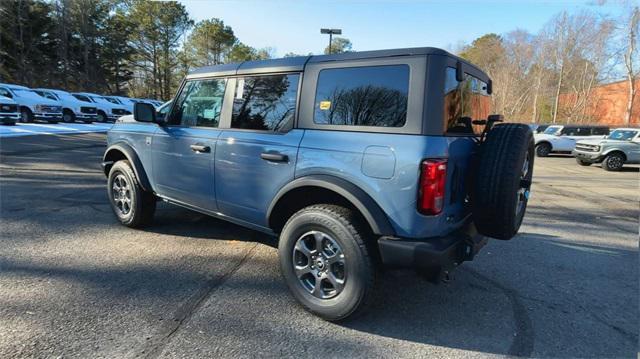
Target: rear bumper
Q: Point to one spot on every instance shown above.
(438, 254)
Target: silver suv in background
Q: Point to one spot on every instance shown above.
(621, 147)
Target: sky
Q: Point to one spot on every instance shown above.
(294, 26)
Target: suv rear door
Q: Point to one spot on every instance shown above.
(183, 150)
(256, 153)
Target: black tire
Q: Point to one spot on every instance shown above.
(543, 149)
(342, 226)
(26, 115)
(502, 180)
(102, 117)
(68, 116)
(142, 204)
(583, 162)
(613, 162)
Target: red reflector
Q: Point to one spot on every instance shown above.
(433, 177)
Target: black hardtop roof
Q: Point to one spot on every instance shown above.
(298, 63)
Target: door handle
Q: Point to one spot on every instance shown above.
(200, 148)
(274, 157)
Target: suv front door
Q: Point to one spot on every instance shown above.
(184, 148)
(256, 156)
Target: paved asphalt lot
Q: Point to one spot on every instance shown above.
(40, 128)
(74, 283)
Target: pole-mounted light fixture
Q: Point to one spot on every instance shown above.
(331, 32)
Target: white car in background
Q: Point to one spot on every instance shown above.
(9, 113)
(125, 101)
(31, 105)
(72, 108)
(621, 147)
(563, 138)
(107, 110)
(161, 113)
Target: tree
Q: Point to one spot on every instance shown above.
(631, 58)
(211, 42)
(338, 46)
(158, 28)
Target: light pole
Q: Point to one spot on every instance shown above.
(331, 32)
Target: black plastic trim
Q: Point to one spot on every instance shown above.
(373, 214)
(133, 158)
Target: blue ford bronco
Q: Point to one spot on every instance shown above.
(355, 162)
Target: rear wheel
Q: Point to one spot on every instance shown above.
(325, 262)
(543, 150)
(503, 175)
(582, 162)
(133, 206)
(613, 162)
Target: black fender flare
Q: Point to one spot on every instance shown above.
(132, 157)
(371, 211)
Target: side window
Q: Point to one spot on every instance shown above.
(200, 103)
(363, 96)
(569, 131)
(265, 102)
(464, 101)
(600, 131)
(4, 92)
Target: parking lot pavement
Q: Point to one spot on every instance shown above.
(27, 129)
(74, 283)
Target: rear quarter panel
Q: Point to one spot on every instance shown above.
(342, 154)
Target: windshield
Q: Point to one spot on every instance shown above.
(26, 93)
(623, 135)
(49, 95)
(112, 100)
(100, 100)
(82, 98)
(552, 130)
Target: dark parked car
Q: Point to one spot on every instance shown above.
(353, 162)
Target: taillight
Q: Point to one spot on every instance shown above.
(433, 178)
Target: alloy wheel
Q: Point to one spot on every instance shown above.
(121, 194)
(319, 264)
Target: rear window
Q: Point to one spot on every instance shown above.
(463, 102)
(362, 96)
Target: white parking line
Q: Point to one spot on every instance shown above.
(25, 129)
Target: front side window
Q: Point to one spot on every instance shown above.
(600, 131)
(363, 96)
(265, 103)
(200, 103)
(570, 131)
(463, 102)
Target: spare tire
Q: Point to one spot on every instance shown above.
(502, 180)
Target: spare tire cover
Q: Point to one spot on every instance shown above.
(502, 180)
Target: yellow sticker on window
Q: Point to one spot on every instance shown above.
(325, 105)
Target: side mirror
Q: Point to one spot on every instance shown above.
(144, 112)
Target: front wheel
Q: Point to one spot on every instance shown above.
(613, 162)
(26, 115)
(102, 117)
(133, 206)
(543, 150)
(325, 262)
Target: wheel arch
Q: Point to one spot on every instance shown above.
(544, 142)
(615, 150)
(314, 189)
(121, 151)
